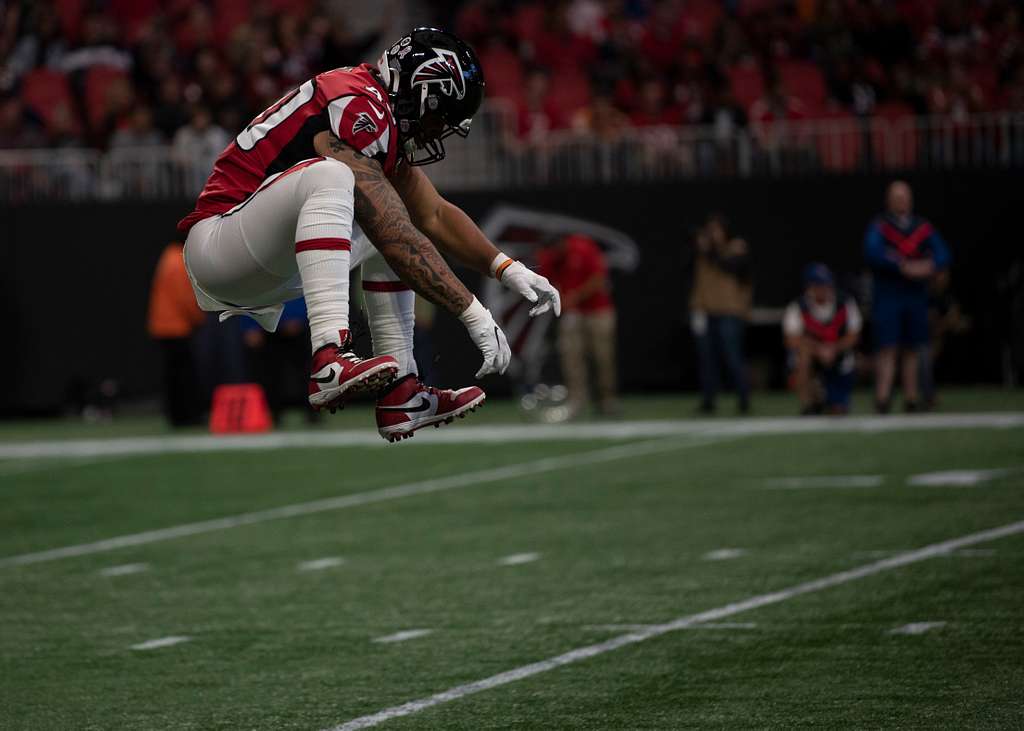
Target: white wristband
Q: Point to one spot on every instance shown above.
(474, 314)
(497, 262)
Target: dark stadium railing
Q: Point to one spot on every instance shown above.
(492, 158)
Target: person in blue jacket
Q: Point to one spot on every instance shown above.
(904, 253)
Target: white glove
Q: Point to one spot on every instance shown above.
(487, 336)
(531, 286)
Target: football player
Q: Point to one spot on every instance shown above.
(329, 178)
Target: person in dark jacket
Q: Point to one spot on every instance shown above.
(905, 253)
(720, 302)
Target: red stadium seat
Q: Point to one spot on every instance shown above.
(46, 92)
(805, 81)
(229, 15)
(747, 82)
(699, 20)
(894, 135)
(573, 89)
(841, 147)
(43, 88)
(504, 72)
(132, 15)
(98, 80)
(70, 14)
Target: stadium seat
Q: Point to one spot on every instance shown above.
(133, 15)
(747, 82)
(805, 81)
(70, 14)
(573, 89)
(45, 91)
(229, 15)
(504, 72)
(894, 136)
(840, 150)
(98, 80)
(699, 20)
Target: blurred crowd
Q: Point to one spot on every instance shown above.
(124, 73)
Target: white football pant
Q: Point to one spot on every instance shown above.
(295, 236)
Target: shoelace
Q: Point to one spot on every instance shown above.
(349, 356)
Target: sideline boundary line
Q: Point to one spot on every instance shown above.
(505, 433)
(710, 615)
(341, 502)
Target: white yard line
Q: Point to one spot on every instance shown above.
(643, 627)
(518, 558)
(46, 464)
(409, 634)
(160, 642)
(319, 564)
(956, 478)
(916, 628)
(963, 553)
(976, 552)
(724, 554)
(342, 502)
(125, 569)
(62, 449)
(711, 615)
(823, 481)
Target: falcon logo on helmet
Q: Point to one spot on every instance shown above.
(435, 86)
(445, 71)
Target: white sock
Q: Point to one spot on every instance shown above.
(390, 306)
(391, 317)
(324, 274)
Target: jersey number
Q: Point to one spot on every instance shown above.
(277, 113)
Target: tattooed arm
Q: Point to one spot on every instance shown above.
(383, 216)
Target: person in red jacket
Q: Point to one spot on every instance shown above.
(576, 266)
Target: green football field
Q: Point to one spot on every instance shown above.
(656, 573)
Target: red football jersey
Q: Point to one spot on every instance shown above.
(350, 102)
(572, 265)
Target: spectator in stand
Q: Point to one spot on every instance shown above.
(138, 132)
(601, 120)
(904, 252)
(173, 318)
(820, 330)
(950, 58)
(17, 128)
(653, 109)
(537, 114)
(775, 107)
(169, 112)
(197, 145)
(138, 170)
(720, 302)
(586, 329)
(114, 111)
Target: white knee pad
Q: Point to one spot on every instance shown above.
(325, 192)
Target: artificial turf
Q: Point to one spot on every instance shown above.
(620, 542)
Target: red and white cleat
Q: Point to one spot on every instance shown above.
(338, 373)
(409, 405)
